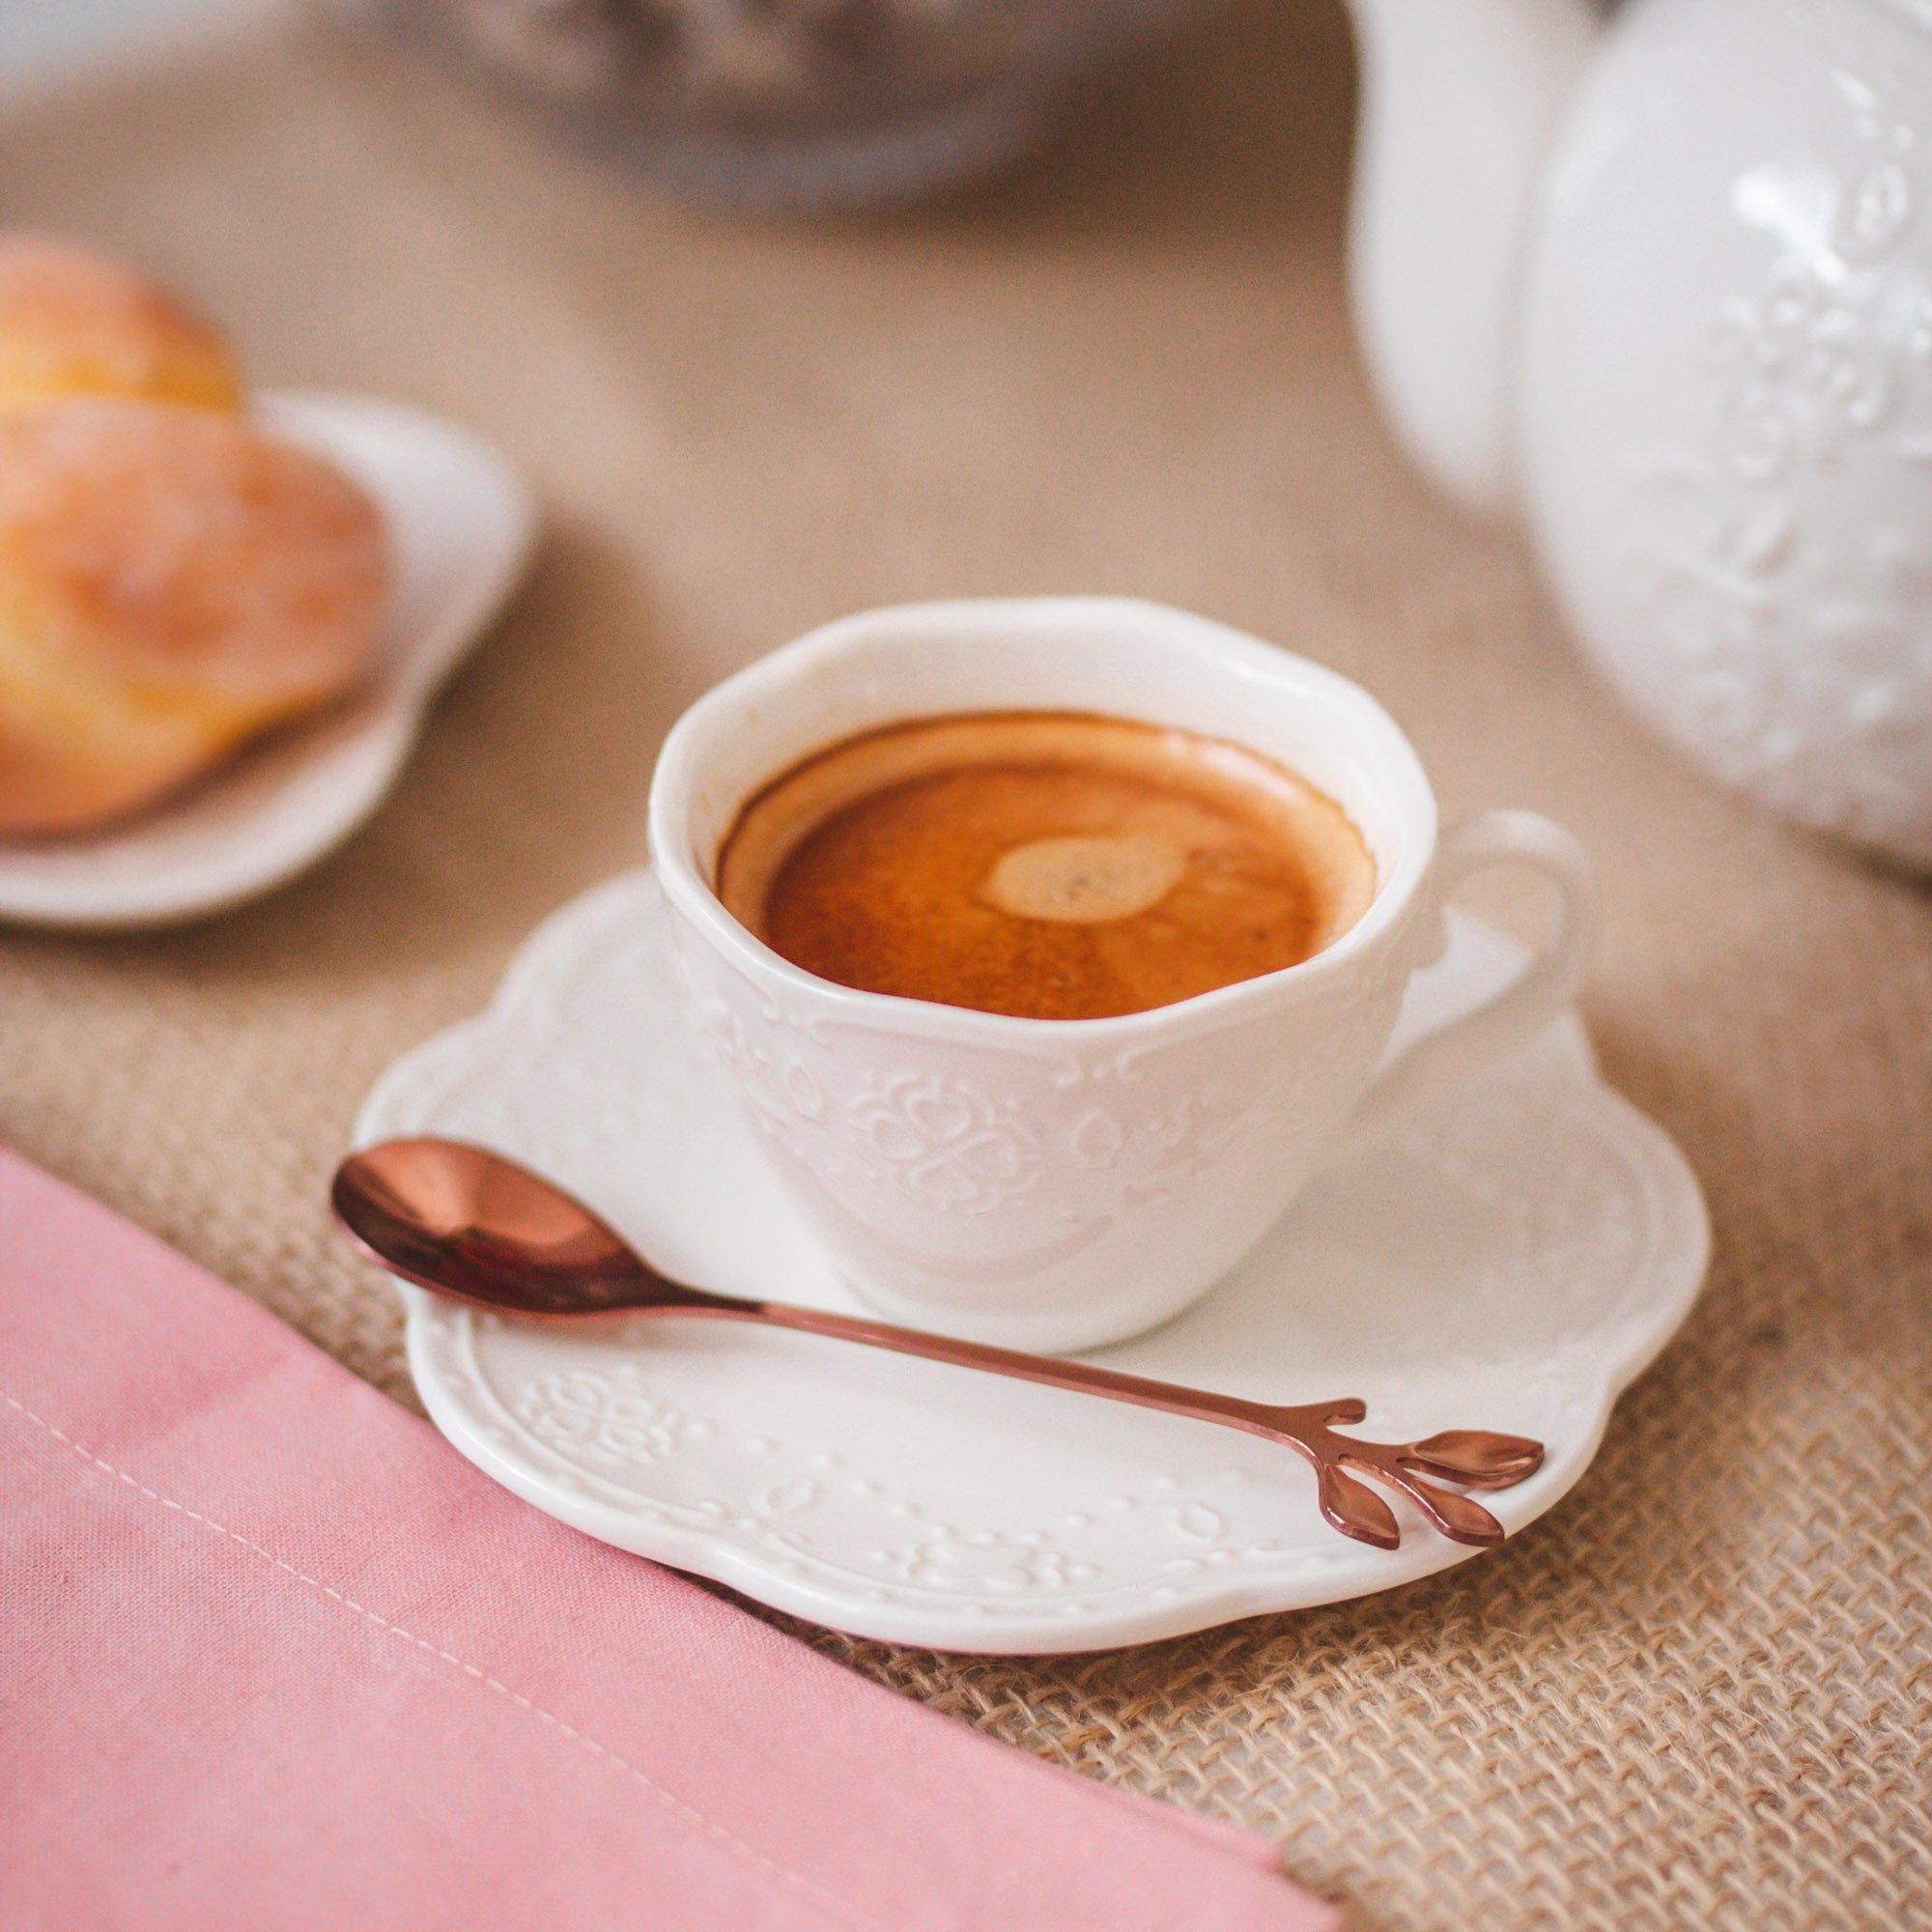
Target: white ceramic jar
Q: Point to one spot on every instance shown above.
(1664, 289)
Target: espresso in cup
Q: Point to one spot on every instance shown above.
(1043, 865)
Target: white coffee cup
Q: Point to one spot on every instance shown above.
(1056, 1185)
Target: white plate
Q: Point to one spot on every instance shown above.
(1545, 1241)
(460, 522)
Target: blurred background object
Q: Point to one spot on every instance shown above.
(42, 37)
(1691, 349)
(809, 103)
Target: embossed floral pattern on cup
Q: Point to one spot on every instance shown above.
(946, 1142)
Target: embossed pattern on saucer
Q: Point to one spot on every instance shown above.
(1534, 1253)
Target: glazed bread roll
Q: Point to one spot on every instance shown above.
(75, 322)
(171, 581)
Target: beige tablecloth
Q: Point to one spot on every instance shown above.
(1700, 1693)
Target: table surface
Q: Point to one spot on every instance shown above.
(1698, 1692)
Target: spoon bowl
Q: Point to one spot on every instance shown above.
(471, 1224)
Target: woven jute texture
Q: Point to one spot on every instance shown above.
(1698, 1695)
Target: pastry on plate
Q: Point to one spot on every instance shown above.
(77, 323)
(172, 582)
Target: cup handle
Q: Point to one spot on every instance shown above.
(1447, 1059)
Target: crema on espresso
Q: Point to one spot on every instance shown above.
(1047, 864)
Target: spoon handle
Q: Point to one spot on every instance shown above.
(1477, 1458)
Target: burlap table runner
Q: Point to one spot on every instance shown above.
(1699, 1693)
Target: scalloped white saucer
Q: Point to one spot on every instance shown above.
(1513, 1269)
(460, 522)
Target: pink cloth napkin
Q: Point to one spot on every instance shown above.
(271, 1655)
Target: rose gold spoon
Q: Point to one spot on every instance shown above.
(477, 1226)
